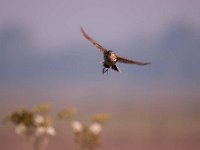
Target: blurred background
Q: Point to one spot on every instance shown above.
(44, 58)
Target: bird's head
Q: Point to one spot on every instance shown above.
(109, 52)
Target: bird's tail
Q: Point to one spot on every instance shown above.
(115, 68)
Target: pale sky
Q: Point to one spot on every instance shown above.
(40, 39)
(43, 54)
(57, 22)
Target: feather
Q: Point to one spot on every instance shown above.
(101, 48)
(128, 61)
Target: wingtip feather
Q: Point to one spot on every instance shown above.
(147, 63)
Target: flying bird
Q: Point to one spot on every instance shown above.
(110, 58)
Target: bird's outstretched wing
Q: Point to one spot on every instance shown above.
(101, 48)
(128, 61)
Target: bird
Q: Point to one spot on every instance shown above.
(110, 57)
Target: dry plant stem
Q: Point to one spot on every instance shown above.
(41, 142)
(45, 142)
(28, 142)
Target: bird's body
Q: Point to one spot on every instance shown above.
(110, 58)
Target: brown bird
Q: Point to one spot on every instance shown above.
(110, 58)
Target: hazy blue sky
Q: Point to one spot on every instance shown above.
(41, 44)
(57, 22)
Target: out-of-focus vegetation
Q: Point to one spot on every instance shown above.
(86, 137)
(35, 125)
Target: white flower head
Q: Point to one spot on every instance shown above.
(77, 126)
(38, 119)
(95, 128)
(40, 131)
(45, 130)
(51, 131)
(20, 129)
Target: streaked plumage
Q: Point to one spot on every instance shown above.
(110, 58)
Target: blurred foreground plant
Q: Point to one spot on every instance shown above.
(34, 125)
(87, 137)
(67, 114)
